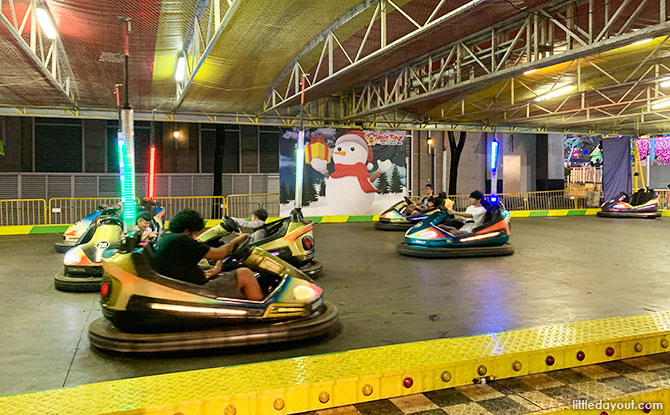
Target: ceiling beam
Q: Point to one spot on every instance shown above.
(192, 52)
(57, 58)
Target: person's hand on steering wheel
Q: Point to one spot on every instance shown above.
(239, 239)
(213, 272)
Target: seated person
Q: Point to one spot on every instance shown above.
(415, 209)
(178, 254)
(143, 224)
(257, 223)
(465, 222)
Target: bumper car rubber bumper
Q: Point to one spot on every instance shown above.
(103, 335)
(629, 214)
(77, 283)
(394, 226)
(459, 252)
(312, 268)
(63, 247)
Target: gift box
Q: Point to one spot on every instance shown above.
(317, 148)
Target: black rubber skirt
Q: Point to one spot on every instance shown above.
(390, 226)
(638, 215)
(62, 247)
(312, 269)
(465, 252)
(104, 336)
(81, 283)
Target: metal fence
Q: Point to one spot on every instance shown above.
(17, 212)
(70, 210)
(587, 174)
(208, 206)
(242, 206)
(66, 210)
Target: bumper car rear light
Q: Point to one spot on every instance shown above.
(308, 243)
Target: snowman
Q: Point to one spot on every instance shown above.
(349, 188)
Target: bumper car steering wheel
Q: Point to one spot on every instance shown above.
(240, 253)
(229, 225)
(408, 200)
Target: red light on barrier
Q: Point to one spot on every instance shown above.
(408, 382)
(580, 355)
(550, 360)
(646, 408)
(609, 351)
(152, 171)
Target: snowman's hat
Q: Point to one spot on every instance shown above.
(358, 137)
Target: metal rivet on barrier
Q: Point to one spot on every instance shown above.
(638, 347)
(408, 382)
(609, 351)
(367, 390)
(664, 343)
(517, 366)
(324, 397)
(580, 355)
(445, 376)
(279, 404)
(230, 410)
(550, 360)
(481, 370)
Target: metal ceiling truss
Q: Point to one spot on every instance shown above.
(210, 18)
(392, 120)
(48, 55)
(551, 34)
(287, 85)
(628, 99)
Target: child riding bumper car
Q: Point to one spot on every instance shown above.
(82, 264)
(395, 219)
(147, 312)
(431, 239)
(642, 204)
(290, 239)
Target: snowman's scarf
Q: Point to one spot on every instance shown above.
(359, 170)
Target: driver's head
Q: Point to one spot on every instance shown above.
(259, 214)
(144, 220)
(476, 197)
(187, 221)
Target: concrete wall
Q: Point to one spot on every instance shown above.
(540, 155)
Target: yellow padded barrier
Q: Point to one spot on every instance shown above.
(324, 381)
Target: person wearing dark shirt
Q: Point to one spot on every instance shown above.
(178, 254)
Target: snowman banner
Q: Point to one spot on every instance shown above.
(346, 172)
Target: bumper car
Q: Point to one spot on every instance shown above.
(290, 239)
(394, 220)
(73, 234)
(643, 204)
(82, 264)
(145, 312)
(428, 240)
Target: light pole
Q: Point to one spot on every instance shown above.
(431, 151)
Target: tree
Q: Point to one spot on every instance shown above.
(322, 190)
(396, 183)
(309, 194)
(579, 143)
(291, 193)
(383, 183)
(455, 149)
(283, 194)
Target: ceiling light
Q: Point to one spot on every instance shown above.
(175, 134)
(661, 104)
(46, 24)
(556, 92)
(180, 74)
(664, 82)
(639, 42)
(530, 71)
